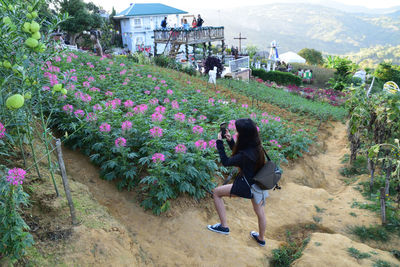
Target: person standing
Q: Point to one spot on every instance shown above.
(164, 23)
(248, 156)
(185, 25)
(200, 21)
(194, 23)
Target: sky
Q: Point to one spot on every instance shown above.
(192, 6)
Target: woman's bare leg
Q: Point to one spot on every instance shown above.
(262, 222)
(218, 193)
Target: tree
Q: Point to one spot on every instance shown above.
(312, 56)
(388, 72)
(251, 50)
(82, 17)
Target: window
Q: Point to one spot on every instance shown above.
(138, 23)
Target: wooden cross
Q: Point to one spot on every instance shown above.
(240, 41)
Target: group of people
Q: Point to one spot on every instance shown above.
(196, 23)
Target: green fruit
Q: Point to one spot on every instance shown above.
(15, 101)
(26, 27)
(42, 47)
(57, 87)
(7, 64)
(25, 57)
(28, 95)
(32, 43)
(64, 91)
(16, 68)
(10, 7)
(34, 14)
(35, 27)
(29, 16)
(36, 35)
(7, 20)
(30, 8)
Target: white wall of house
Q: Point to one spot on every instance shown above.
(138, 30)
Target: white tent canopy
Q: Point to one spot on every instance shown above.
(291, 57)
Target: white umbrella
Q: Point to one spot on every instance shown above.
(291, 57)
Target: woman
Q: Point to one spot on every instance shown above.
(194, 23)
(248, 156)
(185, 24)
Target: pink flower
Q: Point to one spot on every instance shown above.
(107, 69)
(153, 101)
(79, 113)
(109, 93)
(231, 125)
(253, 115)
(2, 130)
(233, 100)
(149, 76)
(212, 143)
(191, 120)
(94, 89)
(198, 91)
(181, 148)
(156, 88)
(147, 92)
(184, 100)
(68, 108)
(140, 109)
(201, 144)
(156, 131)
(169, 92)
(180, 117)
(91, 79)
(277, 119)
(91, 117)
(126, 125)
(105, 127)
(245, 106)
(157, 116)
(160, 109)
(129, 114)
(197, 129)
(86, 84)
(16, 176)
(122, 64)
(162, 81)
(211, 101)
(175, 104)
(166, 100)
(102, 77)
(265, 121)
(158, 157)
(120, 141)
(202, 117)
(97, 107)
(265, 114)
(128, 103)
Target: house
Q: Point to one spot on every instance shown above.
(139, 20)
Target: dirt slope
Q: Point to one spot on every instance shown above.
(312, 195)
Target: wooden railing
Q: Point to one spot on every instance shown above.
(191, 36)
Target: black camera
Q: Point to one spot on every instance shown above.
(222, 128)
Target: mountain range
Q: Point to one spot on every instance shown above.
(330, 29)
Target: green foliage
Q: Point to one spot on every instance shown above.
(355, 253)
(287, 253)
(15, 237)
(284, 78)
(321, 75)
(358, 167)
(388, 72)
(374, 232)
(312, 56)
(381, 263)
(291, 102)
(168, 62)
(372, 56)
(251, 50)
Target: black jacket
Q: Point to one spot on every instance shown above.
(246, 159)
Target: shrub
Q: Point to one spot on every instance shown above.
(283, 78)
(321, 75)
(212, 62)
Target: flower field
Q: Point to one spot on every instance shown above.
(148, 131)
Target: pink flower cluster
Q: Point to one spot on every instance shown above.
(156, 131)
(274, 142)
(180, 117)
(109, 93)
(126, 125)
(158, 157)
(2, 130)
(114, 103)
(245, 106)
(68, 108)
(97, 107)
(197, 129)
(175, 104)
(265, 121)
(153, 101)
(181, 148)
(201, 144)
(253, 115)
(94, 89)
(140, 109)
(156, 116)
(16, 176)
(192, 120)
(212, 143)
(128, 103)
(231, 125)
(202, 117)
(91, 116)
(160, 109)
(79, 113)
(105, 127)
(170, 92)
(120, 141)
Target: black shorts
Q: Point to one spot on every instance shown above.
(241, 188)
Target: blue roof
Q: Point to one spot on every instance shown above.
(149, 9)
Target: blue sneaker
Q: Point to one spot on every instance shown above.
(218, 229)
(254, 235)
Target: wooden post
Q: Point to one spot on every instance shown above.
(383, 206)
(209, 49)
(155, 49)
(65, 182)
(223, 50)
(371, 167)
(187, 52)
(204, 50)
(388, 174)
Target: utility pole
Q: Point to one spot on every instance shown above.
(240, 38)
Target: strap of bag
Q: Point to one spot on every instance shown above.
(269, 159)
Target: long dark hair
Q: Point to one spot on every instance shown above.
(249, 138)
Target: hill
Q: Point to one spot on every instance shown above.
(296, 26)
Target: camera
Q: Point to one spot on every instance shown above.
(222, 128)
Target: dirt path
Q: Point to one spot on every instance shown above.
(313, 197)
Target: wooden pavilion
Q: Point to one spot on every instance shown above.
(176, 37)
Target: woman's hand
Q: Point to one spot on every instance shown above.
(220, 136)
(228, 135)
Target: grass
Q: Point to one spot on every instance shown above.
(358, 167)
(353, 214)
(317, 219)
(374, 232)
(355, 253)
(319, 210)
(381, 263)
(288, 253)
